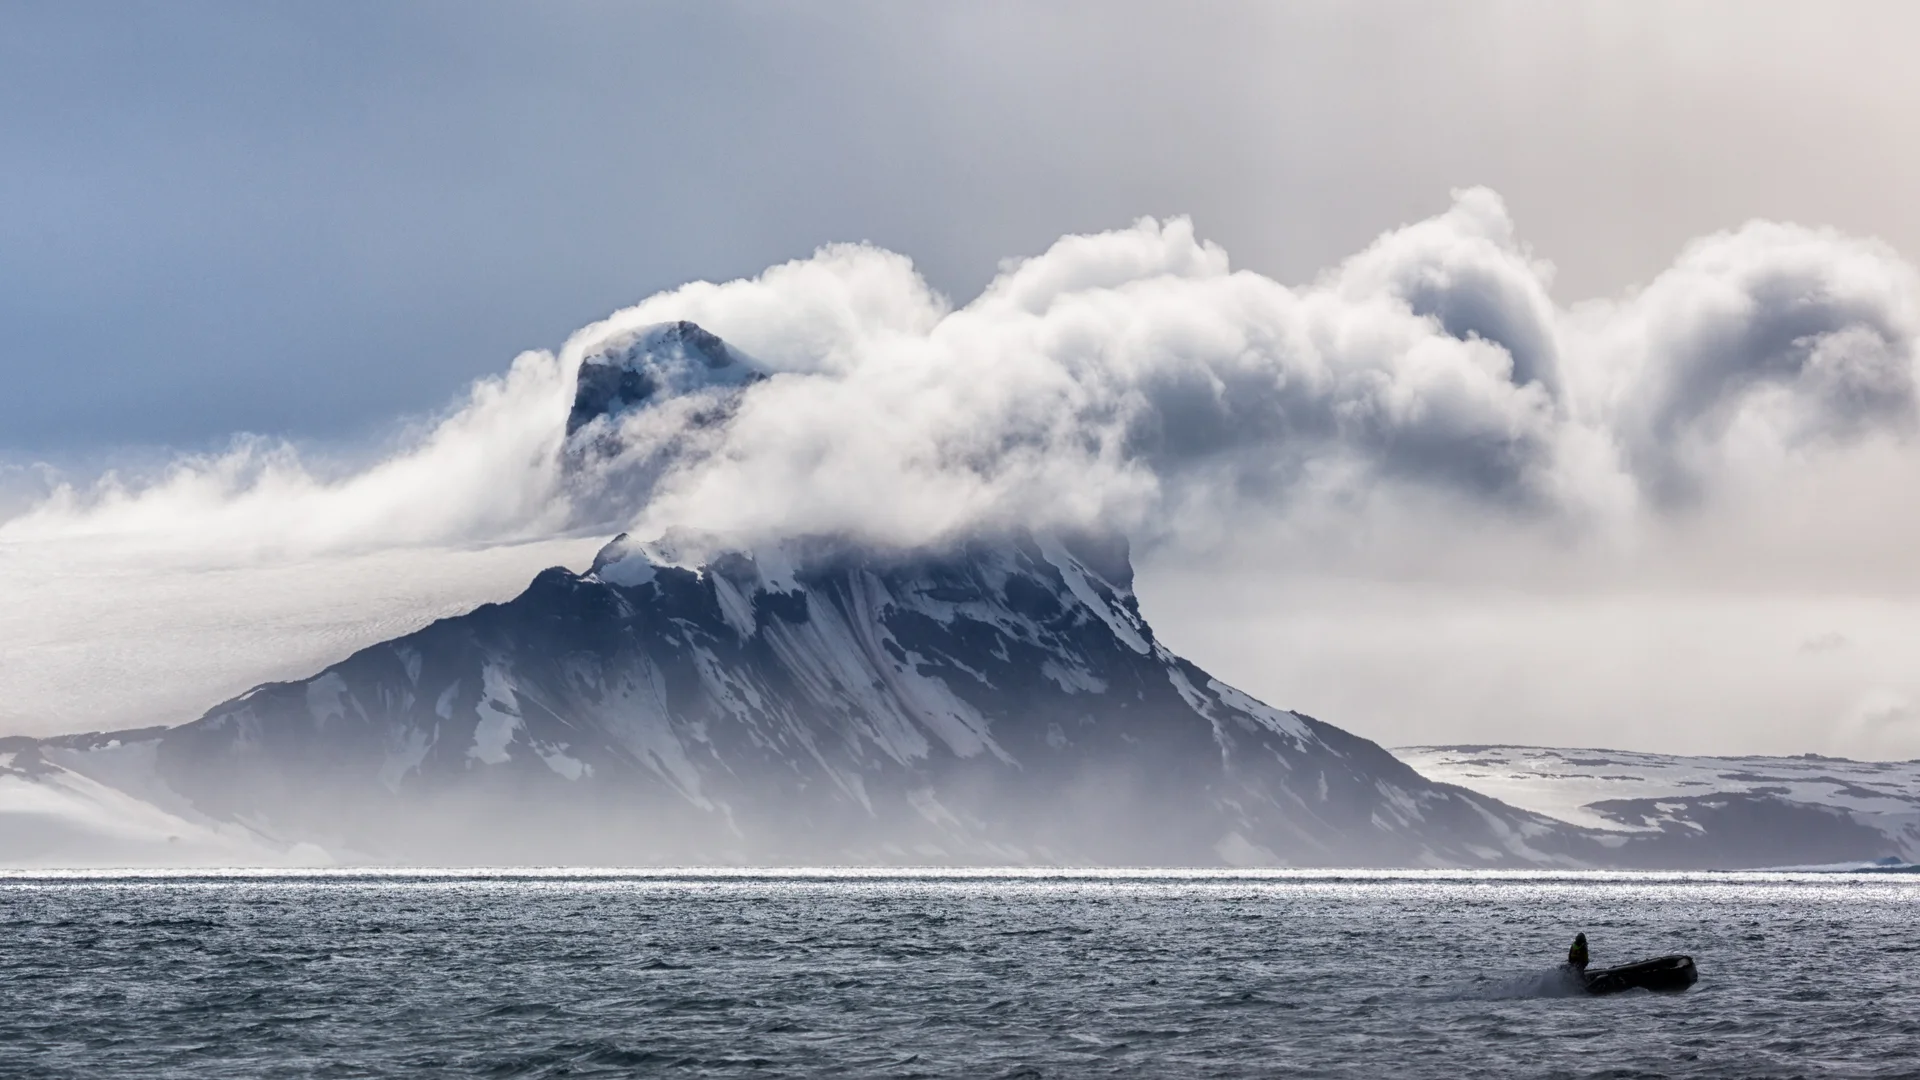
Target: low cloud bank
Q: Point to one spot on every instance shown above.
(483, 473)
(1424, 409)
(1134, 379)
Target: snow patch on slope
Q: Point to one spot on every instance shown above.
(499, 717)
(1076, 577)
(1285, 723)
(561, 762)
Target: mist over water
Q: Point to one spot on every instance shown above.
(982, 973)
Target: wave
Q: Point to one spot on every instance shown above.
(1554, 982)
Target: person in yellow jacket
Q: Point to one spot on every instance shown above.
(1577, 956)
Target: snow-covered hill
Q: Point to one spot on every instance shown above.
(83, 801)
(1871, 809)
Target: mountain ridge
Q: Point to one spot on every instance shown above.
(1740, 799)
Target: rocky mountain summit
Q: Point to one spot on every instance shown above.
(660, 362)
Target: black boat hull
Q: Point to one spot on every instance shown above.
(1662, 975)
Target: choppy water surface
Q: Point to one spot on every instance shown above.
(960, 975)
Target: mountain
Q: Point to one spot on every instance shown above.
(1001, 702)
(996, 699)
(1757, 811)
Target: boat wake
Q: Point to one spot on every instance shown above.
(1553, 982)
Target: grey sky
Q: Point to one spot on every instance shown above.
(307, 219)
(321, 220)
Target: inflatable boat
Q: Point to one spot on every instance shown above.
(1662, 975)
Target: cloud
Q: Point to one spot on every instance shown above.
(1886, 721)
(1825, 643)
(484, 472)
(1134, 379)
(1883, 714)
(1757, 343)
(1127, 378)
(1424, 408)
(1130, 379)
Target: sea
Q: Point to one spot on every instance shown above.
(961, 973)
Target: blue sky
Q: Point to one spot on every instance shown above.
(308, 219)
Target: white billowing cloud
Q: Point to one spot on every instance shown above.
(1133, 378)
(1466, 270)
(1423, 409)
(1129, 378)
(484, 472)
(1756, 344)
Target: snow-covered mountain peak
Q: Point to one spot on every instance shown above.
(652, 364)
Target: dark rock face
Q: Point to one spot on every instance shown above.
(603, 389)
(1735, 830)
(658, 361)
(1000, 702)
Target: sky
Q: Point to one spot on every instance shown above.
(274, 264)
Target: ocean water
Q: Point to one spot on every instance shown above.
(967, 974)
